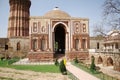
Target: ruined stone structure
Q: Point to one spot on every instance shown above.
(109, 55)
(46, 37)
(96, 42)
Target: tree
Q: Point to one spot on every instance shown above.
(111, 18)
(76, 60)
(111, 7)
(92, 66)
(98, 30)
(56, 62)
(111, 13)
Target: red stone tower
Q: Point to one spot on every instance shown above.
(19, 18)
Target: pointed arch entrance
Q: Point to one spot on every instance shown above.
(59, 37)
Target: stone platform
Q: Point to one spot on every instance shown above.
(50, 56)
(36, 56)
(79, 55)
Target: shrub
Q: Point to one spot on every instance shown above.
(63, 68)
(92, 66)
(13, 60)
(76, 60)
(56, 62)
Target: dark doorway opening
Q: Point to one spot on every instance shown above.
(60, 39)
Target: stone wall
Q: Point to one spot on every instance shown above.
(36, 56)
(80, 56)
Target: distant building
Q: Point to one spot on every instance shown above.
(106, 50)
(96, 42)
(112, 41)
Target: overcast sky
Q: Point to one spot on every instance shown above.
(91, 9)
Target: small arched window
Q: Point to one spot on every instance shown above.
(34, 44)
(98, 45)
(77, 44)
(18, 46)
(43, 44)
(83, 43)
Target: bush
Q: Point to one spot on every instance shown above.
(76, 60)
(56, 62)
(92, 66)
(63, 68)
(13, 60)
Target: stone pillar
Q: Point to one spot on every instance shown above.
(31, 45)
(50, 41)
(86, 43)
(53, 40)
(117, 62)
(39, 43)
(79, 43)
(67, 42)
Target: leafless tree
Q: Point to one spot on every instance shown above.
(111, 7)
(111, 13)
(99, 29)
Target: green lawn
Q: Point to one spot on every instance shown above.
(37, 68)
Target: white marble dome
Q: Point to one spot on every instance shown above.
(56, 13)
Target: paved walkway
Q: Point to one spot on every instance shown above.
(80, 74)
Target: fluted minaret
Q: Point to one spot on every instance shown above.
(19, 18)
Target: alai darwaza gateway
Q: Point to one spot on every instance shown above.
(57, 34)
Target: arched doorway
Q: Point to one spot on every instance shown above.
(59, 44)
(109, 61)
(100, 60)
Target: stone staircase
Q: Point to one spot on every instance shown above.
(59, 56)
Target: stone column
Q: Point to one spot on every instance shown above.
(67, 41)
(31, 44)
(53, 40)
(86, 43)
(79, 44)
(39, 43)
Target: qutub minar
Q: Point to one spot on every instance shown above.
(49, 36)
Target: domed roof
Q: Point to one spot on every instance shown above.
(56, 13)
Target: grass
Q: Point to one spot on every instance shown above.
(5, 78)
(97, 74)
(36, 68)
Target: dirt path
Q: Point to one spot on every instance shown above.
(12, 74)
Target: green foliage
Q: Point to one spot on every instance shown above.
(5, 78)
(92, 66)
(63, 68)
(56, 62)
(76, 60)
(13, 60)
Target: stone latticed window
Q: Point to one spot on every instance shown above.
(84, 27)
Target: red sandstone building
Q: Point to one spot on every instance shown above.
(49, 36)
